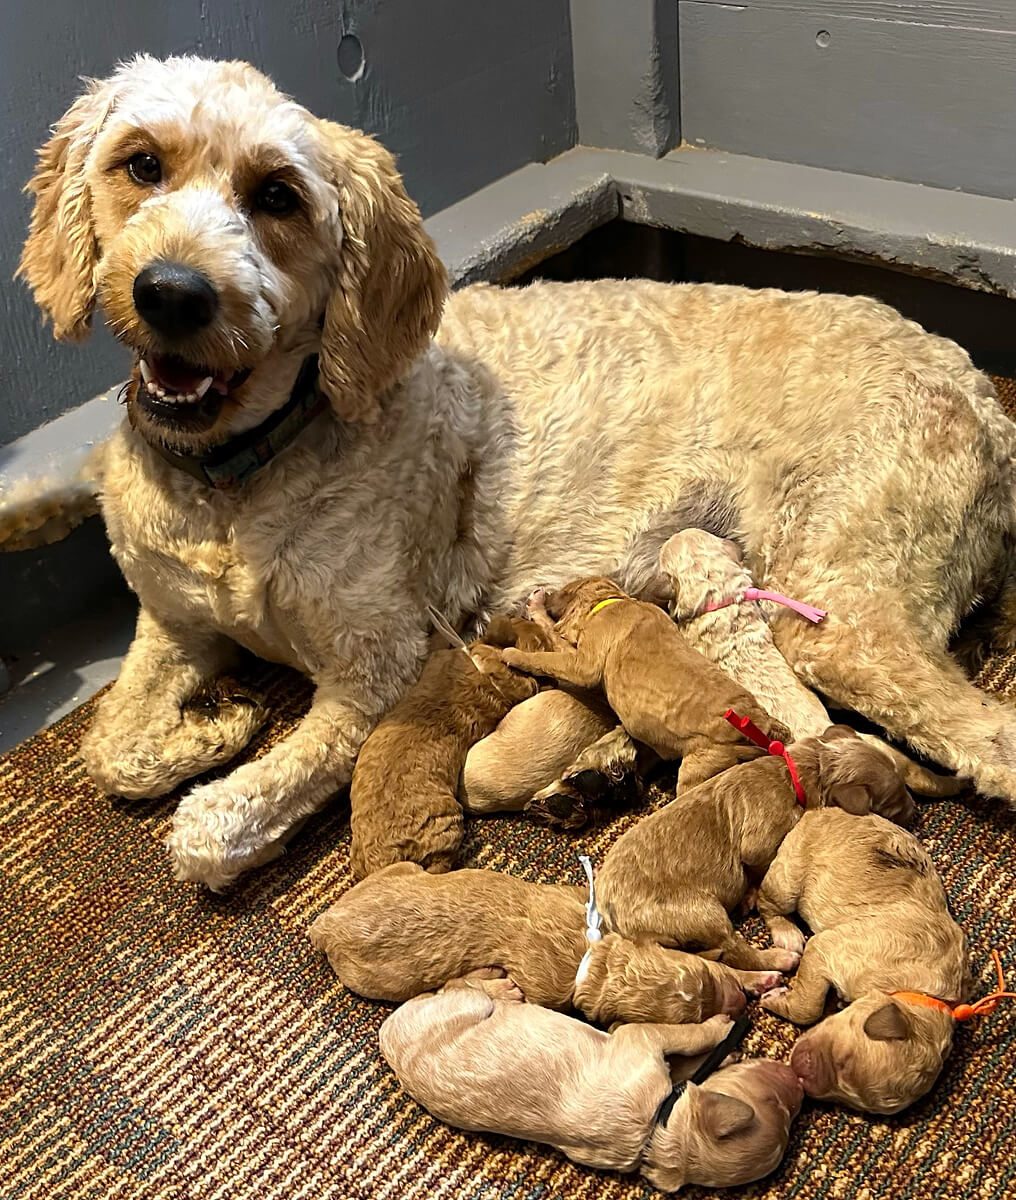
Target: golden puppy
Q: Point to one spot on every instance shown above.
(882, 929)
(403, 797)
(488, 1062)
(404, 931)
(530, 749)
(728, 831)
(664, 693)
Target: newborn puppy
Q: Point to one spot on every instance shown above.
(881, 927)
(676, 875)
(529, 751)
(497, 1065)
(664, 693)
(404, 931)
(403, 795)
(705, 581)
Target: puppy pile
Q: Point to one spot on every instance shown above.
(775, 807)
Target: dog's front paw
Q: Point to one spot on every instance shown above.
(775, 1001)
(786, 936)
(217, 835)
(758, 983)
(780, 960)
(505, 990)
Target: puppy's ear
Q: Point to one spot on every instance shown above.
(888, 1024)
(389, 286)
(853, 798)
(837, 733)
(720, 1116)
(60, 254)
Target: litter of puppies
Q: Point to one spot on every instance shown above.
(775, 805)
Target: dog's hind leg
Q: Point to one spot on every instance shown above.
(871, 660)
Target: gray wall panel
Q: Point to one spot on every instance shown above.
(920, 103)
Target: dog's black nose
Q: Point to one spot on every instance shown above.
(175, 300)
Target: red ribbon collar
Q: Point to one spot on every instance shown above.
(776, 749)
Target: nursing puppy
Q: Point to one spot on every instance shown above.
(530, 750)
(403, 798)
(704, 581)
(676, 875)
(404, 931)
(665, 694)
(881, 925)
(497, 1065)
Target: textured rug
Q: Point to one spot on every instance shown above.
(158, 1043)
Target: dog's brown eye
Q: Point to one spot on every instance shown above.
(144, 168)
(276, 198)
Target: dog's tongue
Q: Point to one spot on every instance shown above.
(175, 374)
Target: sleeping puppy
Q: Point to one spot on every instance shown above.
(704, 581)
(490, 1063)
(728, 830)
(665, 694)
(529, 751)
(403, 797)
(404, 931)
(882, 929)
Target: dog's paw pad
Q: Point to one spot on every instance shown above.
(775, 994)
(782, 960)
(789, 939)
(758, 983)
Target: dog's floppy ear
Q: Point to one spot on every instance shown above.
(60, 254)
(887, 1024)
(836, 733)
(853, 798)
(719, 1115)
(390, 285)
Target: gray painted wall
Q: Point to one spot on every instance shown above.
(917, 90)
(462, 91)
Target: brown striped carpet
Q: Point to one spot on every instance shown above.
(158, 1043)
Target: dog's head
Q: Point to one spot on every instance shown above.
(227, 233)
(728, 1131)
(877, 1055)
(701, 568)
(856, 776)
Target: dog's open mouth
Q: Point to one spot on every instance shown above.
(186, 395)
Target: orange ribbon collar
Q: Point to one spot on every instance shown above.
(963, 1012)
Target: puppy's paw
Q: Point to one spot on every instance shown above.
(780, 960)
(537, 602)
(506, 990)
(775, 1001)
(758, 983)
(512, 657)
(560, 807)
(720, 1024)
(786, 935)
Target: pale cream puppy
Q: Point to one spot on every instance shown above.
(494, 1064)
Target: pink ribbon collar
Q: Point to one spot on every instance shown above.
(777, 749)
(808, 611)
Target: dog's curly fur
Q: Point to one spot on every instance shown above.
(548, 433)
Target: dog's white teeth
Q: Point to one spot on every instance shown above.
(202, 387)
(146, 372)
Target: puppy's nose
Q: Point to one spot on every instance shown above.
(174, 299)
